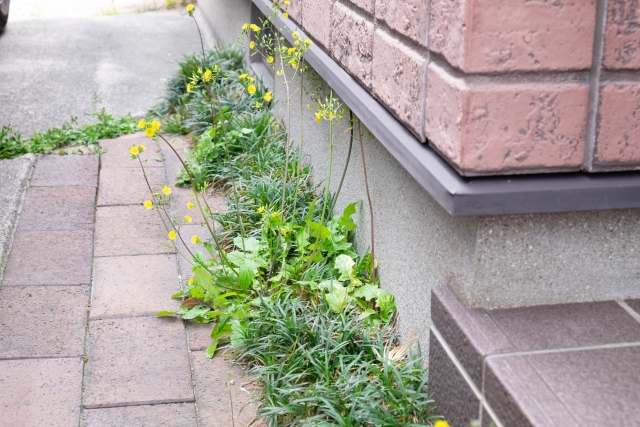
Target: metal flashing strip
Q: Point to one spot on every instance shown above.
(460, 196)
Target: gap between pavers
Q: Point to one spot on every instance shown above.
(162, 415)
(40, 392)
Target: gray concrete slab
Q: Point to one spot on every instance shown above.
(52, 68)
(14, 179)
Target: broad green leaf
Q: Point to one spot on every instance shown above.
(337, 299)
(368, 292)
(367, 313)
(302, 240)
(165, 313)
(202, 277)
(196, 292)
(344, 264)
(197, 311)
(245, 277)
(251, 244)
(211, 350)
(319, 231)
(246, 131)
(386, 304)
(177, 295)
(345, 220)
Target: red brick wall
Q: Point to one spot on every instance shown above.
(497, 86)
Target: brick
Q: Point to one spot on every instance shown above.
(316, 15)
(50, 258)
(40, 392)
(622, 35)
(63, 171)
(407, 17)
(618, 137)
(58, 208)
(167, 415)
(116, 152)
(502, 35)
(397, 79)
(133, 285)
(214, 405)
(172, 163)
(120, 186)
(352, 43)
(43, 321)
(366, 5)
(129, 230)
(180, 197)
(139, 360)
(199, 335)
(514, 128)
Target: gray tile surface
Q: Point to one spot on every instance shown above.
(64, 171)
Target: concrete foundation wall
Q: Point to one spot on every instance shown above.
(491, 262)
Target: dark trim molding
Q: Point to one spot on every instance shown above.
(460, 196)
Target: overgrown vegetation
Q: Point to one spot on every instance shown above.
(279, 278)
(69, 134)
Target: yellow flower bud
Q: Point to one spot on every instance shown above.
(190, 205)
(190, 8)
(268, 96)
(270, 59)
(194, 239)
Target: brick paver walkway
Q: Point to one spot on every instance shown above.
(89, 267)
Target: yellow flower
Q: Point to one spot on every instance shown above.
(258, 105)
(293, 63)
(190, 205)
(189, 87)
(279, 72)
(245, 26)
(134, 151)
(251, 89)
(291, 50)
(250, 79)
(194, 239)
(151, 128)
(331, 116)
(261, 209)
(190, 8)
(284, 231)
(191, 281)
(274, 215)
(307, 42)
(142, 124)
(141, 148)
(254, 27)
(308, 106)
(172, 235)
(270, 59)
(148, 204)
(295, 35)
(318, 117)
(287, 3)
(243, 76)
(187, 218)
(285, 15)
(252, 44)
(268, 96)
(441, 423)
(166, 190)
(207, 76)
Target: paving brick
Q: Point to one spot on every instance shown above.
(126, 186)
(214, 405)
(40, 392)
(43, 321)
(397, 79)
(407, 17)
(515, 128)
(140, 360)
(622, 35)
(172, 163)
(618, 137)
(117, 155)
(352, 43)
(129, 230)
(502, 35)
(58, 208)
(199, 336)
(49, 258)
(133, 285)
(167, 415)
(316, 16)
(62, 171)
(180, 197)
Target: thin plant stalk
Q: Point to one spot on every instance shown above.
(366, 186)
(346, 166)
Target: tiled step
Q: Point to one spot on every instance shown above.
(561, 365)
